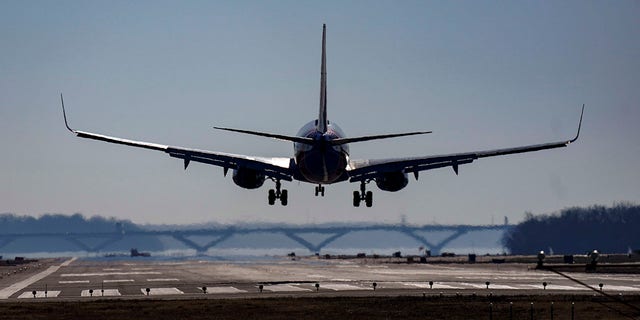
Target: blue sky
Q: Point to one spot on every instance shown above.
(480, 74)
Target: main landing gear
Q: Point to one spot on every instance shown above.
(320, 190)
(283, 195)
(363, 195)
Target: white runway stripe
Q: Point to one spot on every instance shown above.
(436, 285)
(161, 291)
(68, 262)
(118, 280)
(223, 290)
(39, 294)
(618, 288)
(163, 279)
(98, 293)
(73, 281)
(342, 287)
(103, 274)
(284, 288)
(501, 287)
(555, 287)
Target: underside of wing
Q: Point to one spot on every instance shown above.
(277, 168)
(364, 170)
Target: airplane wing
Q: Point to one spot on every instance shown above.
(278, 168)
(364, 170)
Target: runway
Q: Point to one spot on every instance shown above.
(83, 279)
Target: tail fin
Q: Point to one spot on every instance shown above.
(322, 122)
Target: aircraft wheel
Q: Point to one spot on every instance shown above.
(356, 199)
(368, 200)
(272, 197)
(320, 190)
(284, 197)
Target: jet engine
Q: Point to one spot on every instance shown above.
(392, 181)
(248, 178)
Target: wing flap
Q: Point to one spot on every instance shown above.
(278, 168)
(362, 170)
(369, 169)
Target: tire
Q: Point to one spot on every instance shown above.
(284, 197)
(272, 197)
(356, 199)
(368, 199)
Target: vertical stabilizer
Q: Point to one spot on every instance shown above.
(322, 117)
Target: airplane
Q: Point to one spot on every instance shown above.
(321, 156)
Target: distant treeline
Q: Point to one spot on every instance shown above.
(59, 223)
(578, 230)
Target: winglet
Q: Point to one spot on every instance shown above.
(579, 126)
(64, 114)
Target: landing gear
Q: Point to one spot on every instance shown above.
(363, 195)
(320, 190)
(283, 195)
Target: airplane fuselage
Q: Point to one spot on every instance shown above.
(321, 162)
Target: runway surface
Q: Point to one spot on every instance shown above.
(78, 279)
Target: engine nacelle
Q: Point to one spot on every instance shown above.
(248, 178)
(392, 181)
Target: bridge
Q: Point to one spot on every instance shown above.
(311, 237)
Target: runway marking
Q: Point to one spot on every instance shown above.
(112, 269)
(98, 293)
(141, 269)
(501, 287)
(117, 280)
(39, 294)
(484, 286)
(618, 288)
(72, 281)
(283, 288)
(68, 262)
(555, 287)
(161, 291)
(223, 290)
(561, 287)
(163, 279)
(12, 289)
(102, 274)
(436, 285)
(342, 287)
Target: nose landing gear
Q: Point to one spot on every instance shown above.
(283, 195)
(363, 195)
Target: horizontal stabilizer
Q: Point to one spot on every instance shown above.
(340, 141)
(270, 135)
